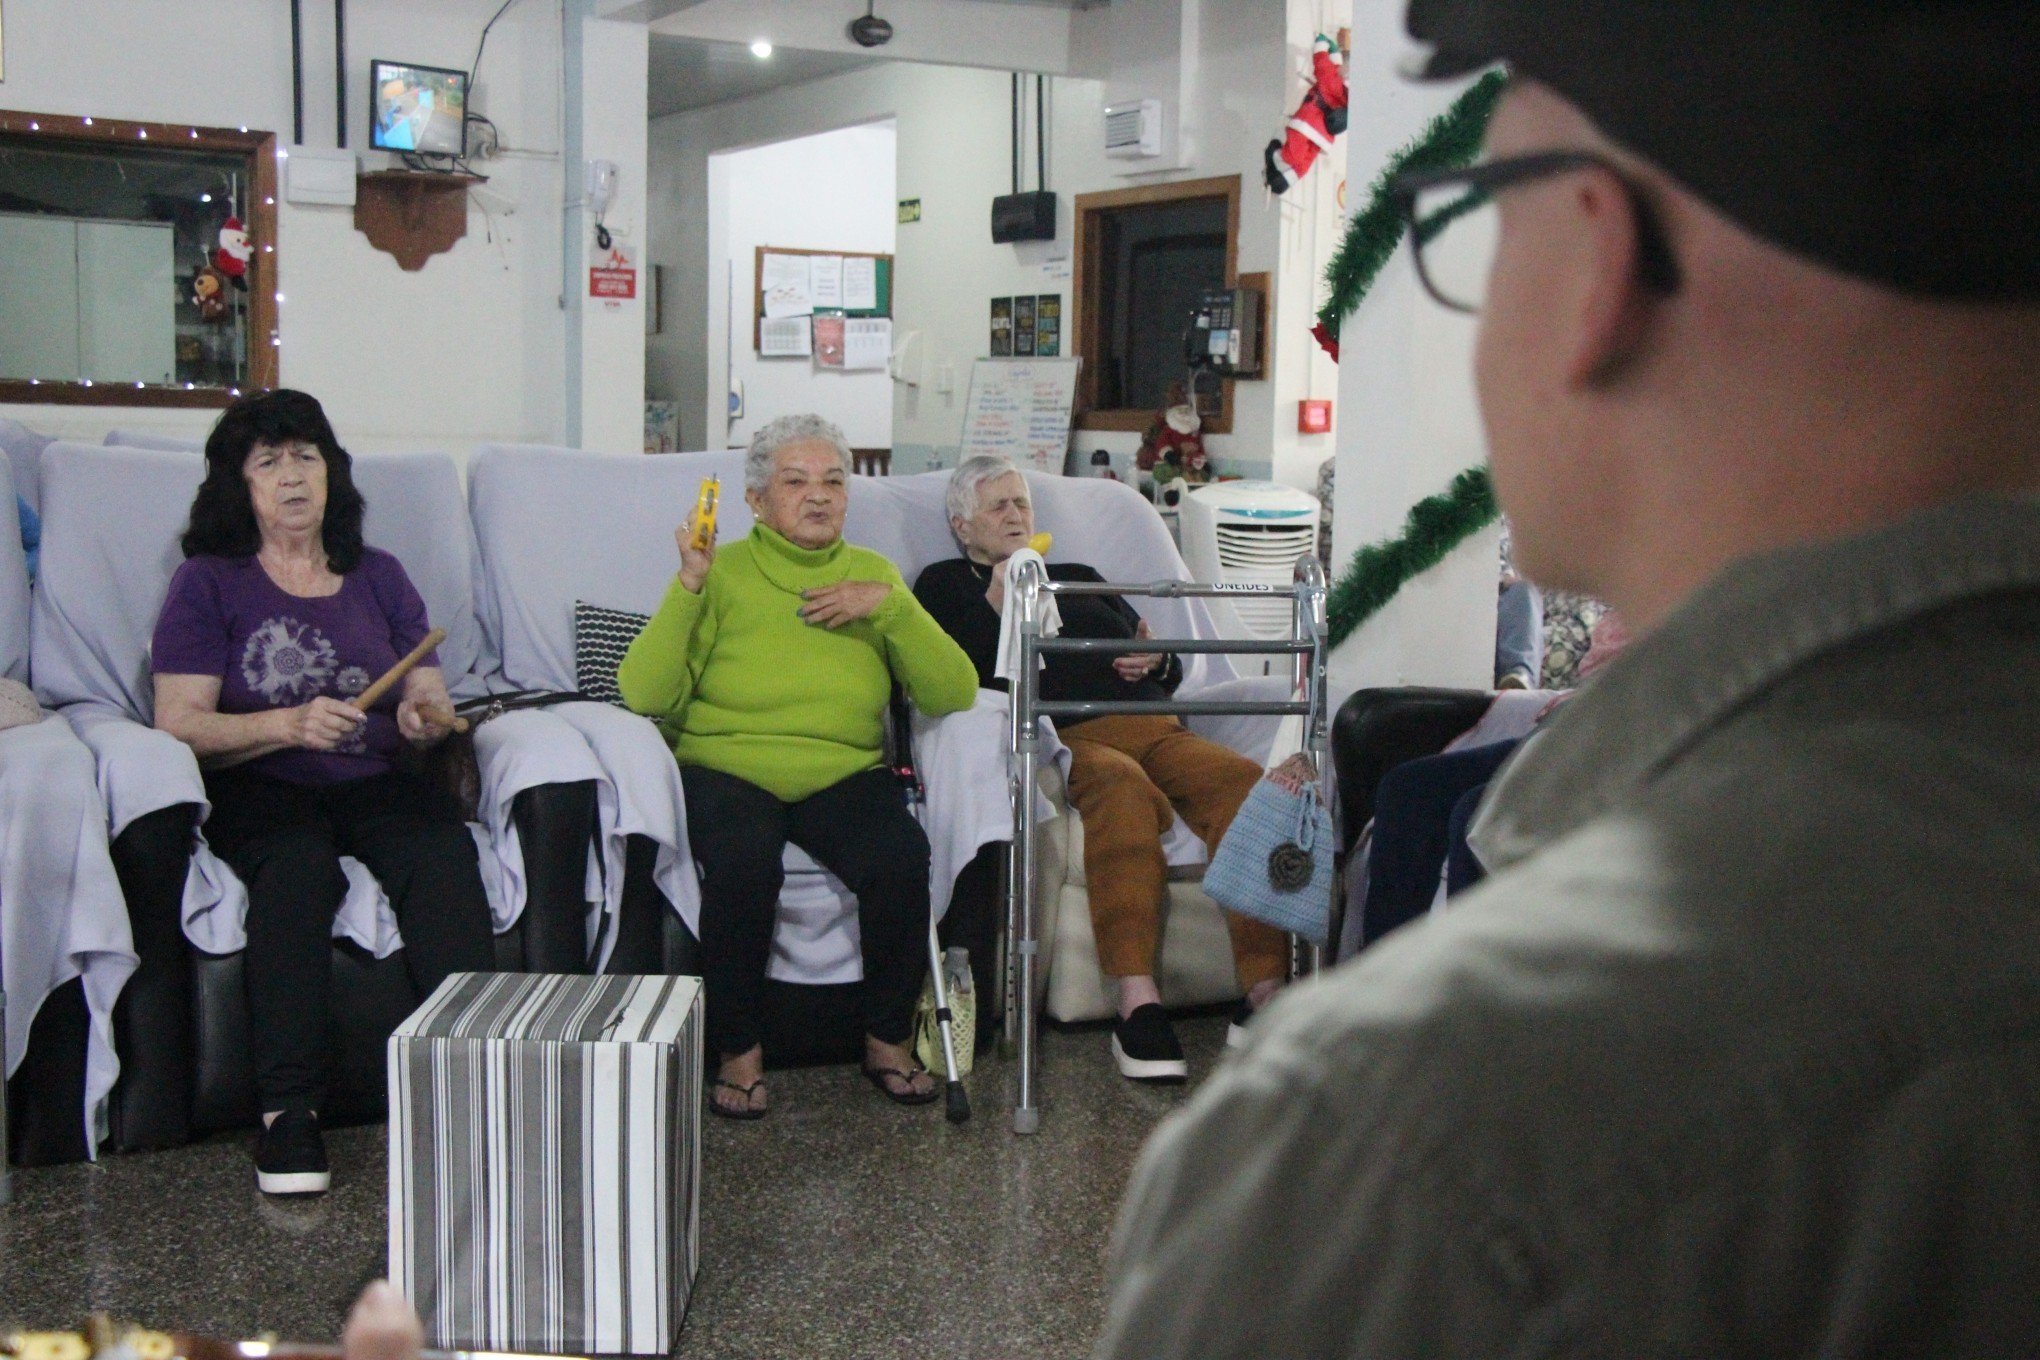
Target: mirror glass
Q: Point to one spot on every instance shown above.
(124, 263)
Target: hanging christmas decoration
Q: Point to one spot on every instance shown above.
(231, 259)
(1453, 139)
(1436, 525)
(1317, 120)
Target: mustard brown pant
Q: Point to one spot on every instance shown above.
(1129, 776)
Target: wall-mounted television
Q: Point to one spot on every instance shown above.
(417, 109)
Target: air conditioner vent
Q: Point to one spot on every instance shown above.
(1249, 533)
(1133, 131)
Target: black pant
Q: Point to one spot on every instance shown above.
(859, 830)
(1413, 831)
(285, 841)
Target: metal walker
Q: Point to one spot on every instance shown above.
(1308, 645)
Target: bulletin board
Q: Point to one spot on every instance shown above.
(883, 269)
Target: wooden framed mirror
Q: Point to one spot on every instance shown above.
(121, 286)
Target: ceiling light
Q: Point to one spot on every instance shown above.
(762, 48)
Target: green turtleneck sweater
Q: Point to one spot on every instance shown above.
(739, 683)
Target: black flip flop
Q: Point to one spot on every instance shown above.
(877, 1075)
(715, 1107)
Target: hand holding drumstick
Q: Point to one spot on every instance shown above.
(425, 714)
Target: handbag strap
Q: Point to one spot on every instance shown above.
(1306, 824)
(484, 707)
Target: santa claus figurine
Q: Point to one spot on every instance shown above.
(1317, 120)
(231, 259)
(1174, 445)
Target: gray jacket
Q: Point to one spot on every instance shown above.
(1736, 1054)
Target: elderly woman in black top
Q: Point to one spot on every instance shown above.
(1129, 774)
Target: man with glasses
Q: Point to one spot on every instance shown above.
(1737, 1051)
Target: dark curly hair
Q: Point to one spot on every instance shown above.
(222, 515)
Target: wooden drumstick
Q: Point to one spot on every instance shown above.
(444, 716)
(367, 698)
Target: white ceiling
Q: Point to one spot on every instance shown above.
(691, 73)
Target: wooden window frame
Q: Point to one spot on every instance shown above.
(1087, 267)
(260, 150)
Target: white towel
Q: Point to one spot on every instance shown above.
(1009, 628)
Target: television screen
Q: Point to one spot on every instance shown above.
(420, 109)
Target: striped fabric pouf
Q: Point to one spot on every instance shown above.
(545, 1161)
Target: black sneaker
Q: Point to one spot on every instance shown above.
(290, 1159)
(1144, 1045)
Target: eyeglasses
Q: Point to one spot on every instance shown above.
(1450, 216)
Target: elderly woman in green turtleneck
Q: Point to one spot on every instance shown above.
(768, 666)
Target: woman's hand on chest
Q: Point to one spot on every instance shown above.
(845, 602)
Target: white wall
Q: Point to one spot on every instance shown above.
(832, 191)
(953, 129)
(470, 347)
(1410, 421)
(605, 350)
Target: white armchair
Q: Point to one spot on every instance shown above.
(62, 917)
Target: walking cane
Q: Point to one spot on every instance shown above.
(956, 1100)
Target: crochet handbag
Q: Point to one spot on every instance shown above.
(1275, 863)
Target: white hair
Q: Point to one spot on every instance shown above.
(776, 435)
(969, 479)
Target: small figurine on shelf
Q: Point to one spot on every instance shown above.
(209, 294)
(1174, 444)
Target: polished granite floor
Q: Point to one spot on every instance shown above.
(842, 1226)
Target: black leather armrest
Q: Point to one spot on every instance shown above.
(1378, 729)
(152, 1023)
(555, 823)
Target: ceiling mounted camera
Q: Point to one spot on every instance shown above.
(870, 31)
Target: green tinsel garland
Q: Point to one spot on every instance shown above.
(1452, 139)
(1436, 525)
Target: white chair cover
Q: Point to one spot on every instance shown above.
(62, 915)
(142, 439)
(24, 455)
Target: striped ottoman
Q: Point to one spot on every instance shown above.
(545, 1158)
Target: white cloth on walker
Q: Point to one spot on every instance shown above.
(1009, 620)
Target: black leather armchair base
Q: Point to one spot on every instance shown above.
(46, 1094)
(1376, 730)
(803, 1024)
(181, 1026)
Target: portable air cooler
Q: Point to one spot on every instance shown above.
(1249, 533)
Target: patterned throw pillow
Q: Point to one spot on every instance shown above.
(601, 637)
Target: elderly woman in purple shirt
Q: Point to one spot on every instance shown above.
(278, 617)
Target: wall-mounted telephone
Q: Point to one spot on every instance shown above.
(601, 186)
(1225, 333)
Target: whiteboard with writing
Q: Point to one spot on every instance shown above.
(1020, 409)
